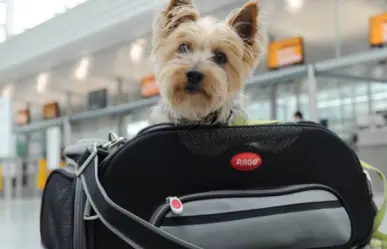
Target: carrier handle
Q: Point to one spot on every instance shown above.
(135, 231)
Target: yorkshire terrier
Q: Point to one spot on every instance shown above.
(201, 70)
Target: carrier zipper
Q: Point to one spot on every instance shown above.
(246, 214)
(175, 205)
(165, 208)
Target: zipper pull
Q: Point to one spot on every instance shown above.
(175, 204)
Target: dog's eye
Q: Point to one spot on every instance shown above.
(184, 48)
(220, 58)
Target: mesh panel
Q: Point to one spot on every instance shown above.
(213, 142)
(56, 226)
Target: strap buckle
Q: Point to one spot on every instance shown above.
(114, 142)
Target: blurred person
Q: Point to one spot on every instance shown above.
(201, 70)
(298, 117)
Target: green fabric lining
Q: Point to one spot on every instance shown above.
(379, 239)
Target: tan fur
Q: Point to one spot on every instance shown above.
(237, 37)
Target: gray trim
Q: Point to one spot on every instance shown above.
(88, 160)
(225, 205)
(308, 229)
(87, 211)
(79, 225)
(79, 234)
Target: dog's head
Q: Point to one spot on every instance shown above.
(199, 68)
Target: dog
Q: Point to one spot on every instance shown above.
(201, 70)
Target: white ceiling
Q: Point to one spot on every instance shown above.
(314, 21)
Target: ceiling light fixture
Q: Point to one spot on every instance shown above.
(293, 6)
(137, 50)
(82, 70)
(42, 82)
(7, 91)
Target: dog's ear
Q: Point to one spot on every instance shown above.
(179, 3)
(177, 12)
(245, 21)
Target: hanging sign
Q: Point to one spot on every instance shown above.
(51, 110)
(97, 99)
(148, 86)
(22, 116)
(378, 30)
(285, 53)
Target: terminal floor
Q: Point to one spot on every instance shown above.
(19, 224)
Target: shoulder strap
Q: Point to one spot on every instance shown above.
(379, 239)
(135, 231)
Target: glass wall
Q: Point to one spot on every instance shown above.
(3, 14)
(259, 102)
(346, 105)
(27, 14)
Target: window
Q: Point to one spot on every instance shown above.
(28, 14)
(2, 34)
(3, 13)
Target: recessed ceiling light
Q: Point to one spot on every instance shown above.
(294, 6)
(82, 70)
(7, 91)
(137, 50)
(42, 82)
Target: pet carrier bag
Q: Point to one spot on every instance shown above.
(288, 186)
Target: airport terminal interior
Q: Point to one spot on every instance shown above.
(80, 69)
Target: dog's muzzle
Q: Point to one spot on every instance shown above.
(193, 78)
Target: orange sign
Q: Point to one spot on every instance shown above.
(22, 116)
(378, 30)
(148, 86)
(51, 110)
(285, 53)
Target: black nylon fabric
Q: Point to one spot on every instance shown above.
(177, 161)
(57, 212)
(181, 161)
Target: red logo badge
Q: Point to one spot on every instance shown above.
(246, 161)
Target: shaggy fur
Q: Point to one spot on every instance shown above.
(225, 53)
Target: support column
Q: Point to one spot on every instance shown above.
(119, 100)
(312, 94)
(338, 55)
(297, 92)
(370, 103)
(7, 153)
(337, 28)
(67, 124)
(19, 161)
(354, 106)
(273, 102)
(9, 19)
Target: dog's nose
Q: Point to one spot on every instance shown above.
(194, 76)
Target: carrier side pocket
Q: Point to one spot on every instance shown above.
(297, 217)
(57, 211)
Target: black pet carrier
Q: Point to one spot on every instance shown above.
(292, 186)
